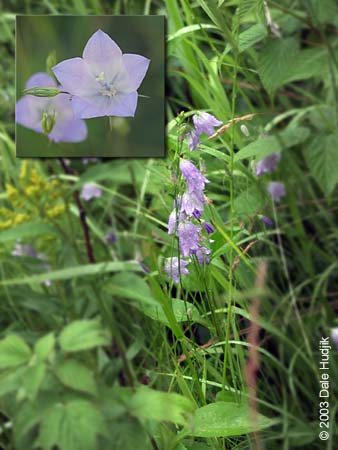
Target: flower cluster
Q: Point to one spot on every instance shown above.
(203, 123)
(36, 196)
(185, 221)
(275, 189)
(103, 82)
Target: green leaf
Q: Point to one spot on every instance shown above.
(190, 29)
(77, 271)
(148, 404)
(129, 434)
(77, 376)
(131, 286)
(249, 201)
(32, 380)
(274, 62)
(145, 302)
(322, 159)
(13, 352)
(325, 11)
(44, 347)
(25, 230)
(83, 335)
(11, 380)
(73, 425)
(251, 36)
(281, 62)
(183, 312)
(222, 419)
(272, 144)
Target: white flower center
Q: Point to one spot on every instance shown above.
(107, 89)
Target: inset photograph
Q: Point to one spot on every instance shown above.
(90, 86)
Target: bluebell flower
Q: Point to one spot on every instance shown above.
(193, 140)
(104, 81)
(51, 115)
(24, 249)
(267, 221)
(267, 164)
(195, 180)
(111, 237)
(276, 190)
(89, 191)
(208, 227)
(144, 267)
(193, 203)
(202, 255)
(189, 237)
(205, 123)
(175, 267)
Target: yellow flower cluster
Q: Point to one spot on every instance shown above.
(35, 197)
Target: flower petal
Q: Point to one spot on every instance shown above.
(74, 76)
(40, 79)
(124, 106)
(28, 112)
(137, 67)
(87, 107)
(100, 48)
(69, 131)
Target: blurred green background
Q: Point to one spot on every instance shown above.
(139, 136)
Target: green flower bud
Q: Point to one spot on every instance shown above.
(48, 122)
(42, 92)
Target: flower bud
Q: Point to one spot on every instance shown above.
(47, 122)
(244, 130)
(42, 92)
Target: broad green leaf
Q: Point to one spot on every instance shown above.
(321, 156)
(274, 62)
(77, 271)
(324, 11)
(129, 434)
(222, 419)
(13, 352)
(183, 311)
(71, 425)
(272, 144)
(27, 415)
(308, 63)
(83, 335)
(281, 62)
(75, 375)
(44, 347)
(131, 286)
(227, 396)
(147, 403)
(251, 36)
(197, 446)
(32, 380)
(27, 230)
(11, 380)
